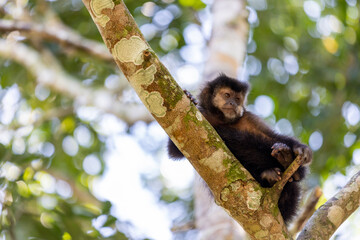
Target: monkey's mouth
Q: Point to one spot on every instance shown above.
(229, 112)
(229, 109)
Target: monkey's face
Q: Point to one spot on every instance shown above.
(229, 102)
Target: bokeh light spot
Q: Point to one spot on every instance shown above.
(264, 106)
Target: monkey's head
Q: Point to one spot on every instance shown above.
(224, 98)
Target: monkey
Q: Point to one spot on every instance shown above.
(264, 153)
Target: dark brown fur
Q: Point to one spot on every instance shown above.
(264, 153)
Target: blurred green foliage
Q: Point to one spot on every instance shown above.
(326, 48)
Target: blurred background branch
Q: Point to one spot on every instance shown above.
(58, 33)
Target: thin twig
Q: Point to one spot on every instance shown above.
(287, 175)
(185, 227)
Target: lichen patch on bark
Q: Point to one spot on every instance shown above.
(261, 234)
(235, 186)
(349, 206)
(154, 102)
(266, 220)
(97, 6)
(255, 227)
(277, 236)
(336, 215)
(253, 199)
(214, 162)
(199, 116)
(224, 195)
(130, 50)
(142, 78)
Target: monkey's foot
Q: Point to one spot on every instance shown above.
(282, 153)
(296, 177)
(304, 152)
(191, 97)
(271, 175)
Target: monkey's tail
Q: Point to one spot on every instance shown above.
(289, 201)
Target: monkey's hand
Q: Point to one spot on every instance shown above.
(304, 152)
(271, 175)
(282, 153)
(191, 97)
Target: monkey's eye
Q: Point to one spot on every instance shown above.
(227, 95)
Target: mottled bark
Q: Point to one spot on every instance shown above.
(234, 189)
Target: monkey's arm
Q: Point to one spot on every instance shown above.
(298, 149)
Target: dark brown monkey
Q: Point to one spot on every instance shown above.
(264, 153)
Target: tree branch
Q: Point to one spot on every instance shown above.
(334, 212)
(184, 228)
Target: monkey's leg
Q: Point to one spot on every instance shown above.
(191, 97)
(271, 175)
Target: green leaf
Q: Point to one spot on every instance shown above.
(196, 4)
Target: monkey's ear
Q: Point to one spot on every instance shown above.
(246, 87)
(205, 97)
(245, 91)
